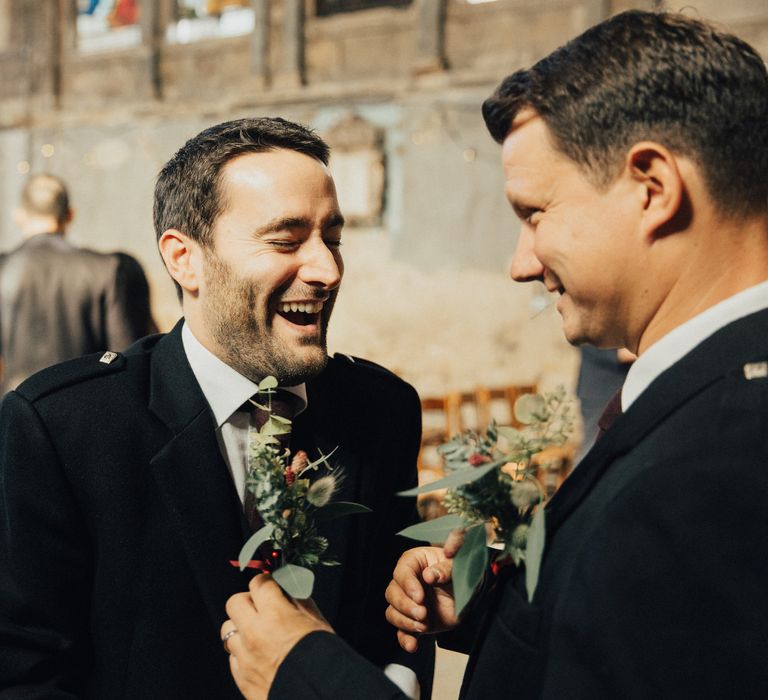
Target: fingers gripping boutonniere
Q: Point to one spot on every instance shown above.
(290, 504)
(492, 488)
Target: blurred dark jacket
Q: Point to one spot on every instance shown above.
(58, 302)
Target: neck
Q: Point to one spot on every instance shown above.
(714, 263)
(33, 227)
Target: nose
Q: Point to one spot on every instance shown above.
(321, 265)
(525, 266)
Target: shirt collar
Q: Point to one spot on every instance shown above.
(224, 388)
(680, 341)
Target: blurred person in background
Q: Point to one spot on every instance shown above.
(58, 301)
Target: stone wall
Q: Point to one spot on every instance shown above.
(426, 291)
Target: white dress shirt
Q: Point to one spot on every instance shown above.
(680, 341)
(226, 390)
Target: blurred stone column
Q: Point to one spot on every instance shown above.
(290, 72)
(37, 41)
(430, 57)
(153, 15)
(260, 41)
(68, 25)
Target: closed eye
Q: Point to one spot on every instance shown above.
(526, 213)
(284, 245)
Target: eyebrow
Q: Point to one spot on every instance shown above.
(293, 222)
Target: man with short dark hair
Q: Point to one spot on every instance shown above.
(635, 157)
(122, 476)
(58, 301)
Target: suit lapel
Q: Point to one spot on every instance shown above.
(194, 481)
(726, 350)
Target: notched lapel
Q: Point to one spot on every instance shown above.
(193, 479)
(201, 499)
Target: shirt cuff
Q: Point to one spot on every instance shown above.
(405, 679)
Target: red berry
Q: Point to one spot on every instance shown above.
(477, 459)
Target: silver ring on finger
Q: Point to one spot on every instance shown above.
(226, 638)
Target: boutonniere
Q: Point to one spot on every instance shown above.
(290, 504)
(492, 489)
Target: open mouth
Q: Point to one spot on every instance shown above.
(301, 313)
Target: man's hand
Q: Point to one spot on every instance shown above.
(264, 625)
(420, 595)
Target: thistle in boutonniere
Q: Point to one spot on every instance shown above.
(492, 487)
(290, 504)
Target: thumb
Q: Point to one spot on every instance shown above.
(265, 592)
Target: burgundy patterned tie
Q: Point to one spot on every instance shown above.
(610, 413)
(283, 405)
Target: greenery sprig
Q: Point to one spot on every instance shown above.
(492, 487)
(290, 504)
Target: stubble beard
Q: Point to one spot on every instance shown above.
(245, 335)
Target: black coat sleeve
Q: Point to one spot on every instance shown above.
(322, 666)
(44, 564)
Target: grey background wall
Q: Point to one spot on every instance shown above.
(397, 92)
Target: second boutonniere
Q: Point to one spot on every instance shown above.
(492, 489)
(289, 502)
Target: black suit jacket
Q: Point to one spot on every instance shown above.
(119, 518)
(654, 577)
(58, 302)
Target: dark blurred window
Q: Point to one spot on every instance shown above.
(330, 7)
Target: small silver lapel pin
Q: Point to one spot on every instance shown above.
(108, 357)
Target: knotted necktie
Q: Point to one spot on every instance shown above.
(283, 404)
(610, 413)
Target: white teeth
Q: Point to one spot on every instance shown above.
(309, 307)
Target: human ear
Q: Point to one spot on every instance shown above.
(181, 256)
(655, 170)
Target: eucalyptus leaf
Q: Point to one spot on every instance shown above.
(339, 508)
(281, 419)
(268, 383)
(296, 581)
(510, 434)
(274, 427)
(435, 530)
(457, 478)
(469, 565)
(530, 408)
(252, 544)
(262, 438)
(534, 550)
